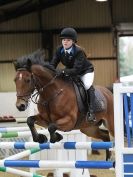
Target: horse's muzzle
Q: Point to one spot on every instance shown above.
(21, 105)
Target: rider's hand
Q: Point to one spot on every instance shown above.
(65, 73)
(61, 73)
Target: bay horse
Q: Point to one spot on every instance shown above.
(57, 103)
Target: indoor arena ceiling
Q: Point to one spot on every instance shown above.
(120, 10)
(10, 9)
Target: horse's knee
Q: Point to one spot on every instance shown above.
(31, 120)
(52, 128)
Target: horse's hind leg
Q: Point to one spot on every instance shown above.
(36, 137)
(54, 136)
(98, 133)
(107, 139)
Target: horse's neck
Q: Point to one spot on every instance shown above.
(44, 77)
(42, 73)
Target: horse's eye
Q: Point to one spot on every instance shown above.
(27, 80)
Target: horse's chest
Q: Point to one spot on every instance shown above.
(43, 112)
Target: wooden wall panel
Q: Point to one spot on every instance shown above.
(79, 13)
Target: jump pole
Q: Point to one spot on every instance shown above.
(20, 134)
(19, 172)
(14, 134)
(58, 145)
(57, 164)
(13, 129)
(23, 154)
(18, 156)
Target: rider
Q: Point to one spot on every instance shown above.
(76, 63)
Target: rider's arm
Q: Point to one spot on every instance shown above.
(81, 64)
(55, 60)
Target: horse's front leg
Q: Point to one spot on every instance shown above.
(54, 136)
(40, 138)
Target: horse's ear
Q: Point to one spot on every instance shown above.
(29, 63)
(15, 65)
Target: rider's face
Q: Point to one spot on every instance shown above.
(67, 43)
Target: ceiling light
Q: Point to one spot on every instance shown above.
(101, 0)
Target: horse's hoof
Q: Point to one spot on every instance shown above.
(56, 137)
(108, 155)
(42, 138)
(59, 137)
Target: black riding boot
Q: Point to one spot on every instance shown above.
(91, 96)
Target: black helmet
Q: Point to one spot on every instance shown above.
(69, 33)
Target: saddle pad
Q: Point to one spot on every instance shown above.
(100, 101)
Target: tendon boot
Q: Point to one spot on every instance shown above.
(91, 95)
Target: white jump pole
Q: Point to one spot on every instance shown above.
(19, 172)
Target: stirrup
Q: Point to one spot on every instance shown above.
(90, 117)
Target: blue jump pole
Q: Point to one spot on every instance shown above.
(59, 145)
(57, 164)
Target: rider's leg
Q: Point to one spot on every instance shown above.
(87, 79)
(91, 94)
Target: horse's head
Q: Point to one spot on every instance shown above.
(24, 85)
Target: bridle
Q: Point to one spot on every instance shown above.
(41, 89)
(34, 83)
(28, 94)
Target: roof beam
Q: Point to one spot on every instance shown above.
(103, 29)
(5, 2)
(111, 11)
(31, 8)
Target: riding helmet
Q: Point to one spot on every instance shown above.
(69, 33)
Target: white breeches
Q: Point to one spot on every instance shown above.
(88, 79)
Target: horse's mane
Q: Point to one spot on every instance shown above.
(37, 57)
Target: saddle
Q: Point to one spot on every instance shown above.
(100, 103)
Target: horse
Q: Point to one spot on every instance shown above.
(57, 103)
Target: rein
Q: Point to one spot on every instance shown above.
(37, 93)
(49, 83)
